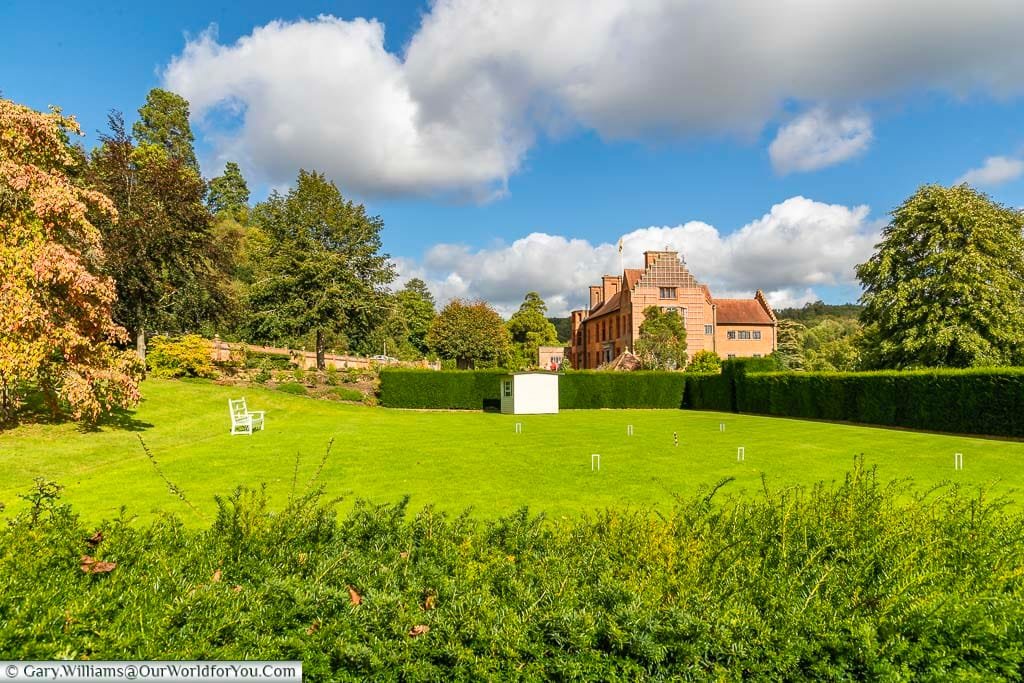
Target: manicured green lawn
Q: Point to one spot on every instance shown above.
(460, 459)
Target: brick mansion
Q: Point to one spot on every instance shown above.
(731, 328)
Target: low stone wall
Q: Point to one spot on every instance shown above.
(306, 360)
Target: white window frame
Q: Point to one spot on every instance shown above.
(709, 329)
(507, 388)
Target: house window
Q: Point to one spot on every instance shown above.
(731, 334)
(744, 334)
(731, 356)
(757, 355)
(666, 292)
(757, 334)
(709, 329)
(507, 388)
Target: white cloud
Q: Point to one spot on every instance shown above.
(995, 171)
(461, 106)
(798, 245)
(818, 138)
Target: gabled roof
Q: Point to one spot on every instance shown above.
(632, 276)
(742, 312)
(613, 303)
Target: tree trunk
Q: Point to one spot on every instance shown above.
(321, 364)
(140, 343)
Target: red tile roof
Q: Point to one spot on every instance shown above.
(632, 277)
(742, 312)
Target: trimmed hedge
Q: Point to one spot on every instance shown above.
(708, 391)
(983, 401)
(596, 389)
(977, 401)
(439, 389)
(475, 390)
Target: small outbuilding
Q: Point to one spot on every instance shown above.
(529, 393)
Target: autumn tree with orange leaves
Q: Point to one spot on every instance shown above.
(57, 336)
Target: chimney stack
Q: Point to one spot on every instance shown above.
(609, 286)
(595, 296)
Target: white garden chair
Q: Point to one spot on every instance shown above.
(243, 420)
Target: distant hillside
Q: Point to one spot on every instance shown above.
(564, 328)
(811, 314)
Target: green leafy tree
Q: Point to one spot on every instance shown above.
(705, 361)
(832, 345)
(791, 344)
(159, 250)
(418, 309)
(530, 329)
(946, 284)
(229, 193)
(319, 269)
(470, 333)
(163, 121)
(662, 341)
(58, 336)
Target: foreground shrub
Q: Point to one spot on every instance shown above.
(852, 581)
(186, 356)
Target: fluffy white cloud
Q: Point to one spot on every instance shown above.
(459, 108)
(818, 138)
(995, 171)
(798, 245)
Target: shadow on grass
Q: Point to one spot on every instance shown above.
(36, 411)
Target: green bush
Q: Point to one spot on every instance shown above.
(186, 356)
(293, 388)
(851, 581)
(346, 394)
(442, 389)
(270, 361)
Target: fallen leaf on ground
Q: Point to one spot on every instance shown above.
(313, 628)
(95, 539)
(418, 630)
(91, 565)
(353, 597)
(430, 601)
(216, 577)
(236, 588)
(404, 554)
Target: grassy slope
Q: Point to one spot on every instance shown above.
(457, 460)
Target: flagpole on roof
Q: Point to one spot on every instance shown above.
(620, 257)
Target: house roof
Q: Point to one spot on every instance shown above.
(632, 276)
(613, 303)
(742, 312)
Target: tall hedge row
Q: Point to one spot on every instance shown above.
(440, 389)
(708, 391)
(594, 389)
(985, 401)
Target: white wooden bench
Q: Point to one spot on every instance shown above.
(243, 420)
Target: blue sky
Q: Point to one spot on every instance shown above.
(509, 146)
